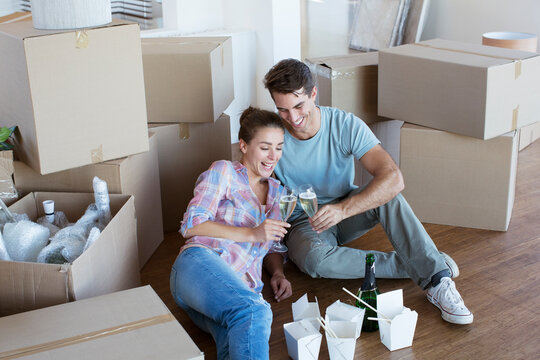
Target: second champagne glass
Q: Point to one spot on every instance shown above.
(287, 203)
(308, 201)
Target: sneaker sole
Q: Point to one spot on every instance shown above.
(452, 318)
(454, 269)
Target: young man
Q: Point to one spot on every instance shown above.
(320, 146)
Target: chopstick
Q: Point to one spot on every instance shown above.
(366, 304)
(377, 319)
(326, 327)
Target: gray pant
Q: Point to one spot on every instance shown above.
(415, 255)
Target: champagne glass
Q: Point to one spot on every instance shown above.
(287, 203)
(308, 201)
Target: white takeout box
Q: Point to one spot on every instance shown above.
(304, 310)
(342, 347)
(399, 332)
(303, 340)
(345, 312)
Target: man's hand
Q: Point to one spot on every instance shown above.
(270, 230)
(280, 286)
(327, 216)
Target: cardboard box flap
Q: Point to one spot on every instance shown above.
(460, 53)
(345, 61)
(128, 324)
(21, 30)
(182, 45)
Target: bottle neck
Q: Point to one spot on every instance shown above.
(369, 278)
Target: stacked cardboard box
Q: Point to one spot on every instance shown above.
(189, 83)
(460, 168)
(77, 98)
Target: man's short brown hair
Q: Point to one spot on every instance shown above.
(289, 76)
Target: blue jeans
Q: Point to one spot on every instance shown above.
(415, 255)
(220, 303)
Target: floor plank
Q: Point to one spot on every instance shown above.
(499, 281)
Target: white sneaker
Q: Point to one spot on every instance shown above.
(452, 266)
(446, 297)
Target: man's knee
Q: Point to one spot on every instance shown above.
(311, 262)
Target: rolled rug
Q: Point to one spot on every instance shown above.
(70, 14)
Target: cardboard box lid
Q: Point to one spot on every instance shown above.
(130, 324)
(460, 53)
(21, 30)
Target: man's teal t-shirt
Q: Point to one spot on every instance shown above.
(326, 161)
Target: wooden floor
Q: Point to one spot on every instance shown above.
(499, 281)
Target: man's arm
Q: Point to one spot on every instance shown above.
(387, 182)
(281, 287)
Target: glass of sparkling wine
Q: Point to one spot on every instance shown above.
(308, 201)
(287, 203)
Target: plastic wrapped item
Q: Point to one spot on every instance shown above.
(25, 239)
(378, 24)
(92, 237)
(101, 196)
(3, 251)
(69, 243)
(53, 220)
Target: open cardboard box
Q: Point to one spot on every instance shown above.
(110, 264)
(131, 324)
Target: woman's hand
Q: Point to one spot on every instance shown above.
(280, 286)
(270, 230)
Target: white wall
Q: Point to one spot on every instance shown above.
(467, 20)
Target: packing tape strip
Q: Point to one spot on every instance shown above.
(183, 131)
(35, 349)
(81, 39)
(515, 114)
(516, 61)
(97, 155)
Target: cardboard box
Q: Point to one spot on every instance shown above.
(185, 151)
(468, 89)
(388, 132)
(348, 82)
(187, 79)
(528, 134)
(8, 193)
(131, 324)
(110, 264)
(397, 333)
(136, 175)
(77, 97)
(459, 180)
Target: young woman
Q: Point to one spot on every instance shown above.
(230, 226)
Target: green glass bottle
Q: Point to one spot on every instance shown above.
(368, 292)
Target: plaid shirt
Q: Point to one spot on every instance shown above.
(223, 195)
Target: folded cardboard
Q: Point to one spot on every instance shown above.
(130, 324)
(469, 89)
(398, 332)
(136, 175)
(459, 180)
(388, 133)
(76, 96)
(185, 151)
(8, 192)
(528, 134)
(302, 309)
(348, 82)
(303, 340)
(187, 79)
(110, 264)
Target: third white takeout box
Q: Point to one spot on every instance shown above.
(399, 332)
(345, 312)
(342, 347)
